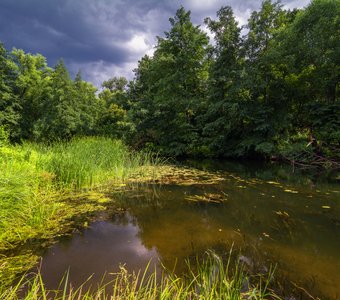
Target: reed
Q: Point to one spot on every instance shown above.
(88, 162)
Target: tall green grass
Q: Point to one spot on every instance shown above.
(88, 162)
(34, 177)
(211, 279)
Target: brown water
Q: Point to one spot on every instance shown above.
(272, 214)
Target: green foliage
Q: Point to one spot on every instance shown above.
(279, 82)
(240, 97)
(222, 119)
(113, 119)
(32, 89)
(171, 86)
(33, 174)
(115, 84)
(86, 162)
(306, 56)
(43, 104)
(10, 109)
(4, 136)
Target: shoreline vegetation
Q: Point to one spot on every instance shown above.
(212, 278)
(47, 191)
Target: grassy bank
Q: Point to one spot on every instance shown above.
(39, 184)
(211, 279)
(45, 188)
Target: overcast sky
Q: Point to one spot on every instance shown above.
(102, 38)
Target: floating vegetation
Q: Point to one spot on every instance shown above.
(208, 197)
(282, 214)
(291, 191)
(169, 174)
(273, 182)
(241, 187)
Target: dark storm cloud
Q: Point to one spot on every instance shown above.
(101, 37)
(57, 29)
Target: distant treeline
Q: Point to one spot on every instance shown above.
(273, 92)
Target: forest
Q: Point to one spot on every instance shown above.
(270, 93)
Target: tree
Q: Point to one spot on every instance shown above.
(309, 51)
(265, 112)
(115, 84)
(86, 104)
(60, 118)
(142, 109)
(32, 81)
(10, 108)
(115, 92)
(176, 85)
(223, 117)
(113, 120)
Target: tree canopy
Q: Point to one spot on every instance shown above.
(273, 92)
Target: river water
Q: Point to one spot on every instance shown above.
(272, 214)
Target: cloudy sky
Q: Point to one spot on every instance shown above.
(102, 38)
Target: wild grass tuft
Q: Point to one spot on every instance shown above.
(212, 279)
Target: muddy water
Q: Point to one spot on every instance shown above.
(272, 214)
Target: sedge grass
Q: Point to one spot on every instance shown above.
(209, 280)
(34, 177)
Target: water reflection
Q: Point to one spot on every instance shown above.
(270, 214)
(100, 249)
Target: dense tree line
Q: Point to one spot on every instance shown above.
(40, 103)
(272, 92)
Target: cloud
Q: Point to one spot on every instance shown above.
(203, 6)
(296, 4)
(138, 44)
(102, 37)
(98, 71)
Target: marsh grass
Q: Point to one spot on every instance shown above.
(88, 162)
(37, 183)
(209, 279)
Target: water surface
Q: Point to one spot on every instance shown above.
(272, 214)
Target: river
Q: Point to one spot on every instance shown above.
(271, 214)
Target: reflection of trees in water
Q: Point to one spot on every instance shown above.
(267, 218)
(266, 171)
(252, 209)
(179, 230)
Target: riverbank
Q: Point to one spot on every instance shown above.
(159, 207)
(46, 189)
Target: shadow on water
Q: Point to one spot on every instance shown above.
(271, 214)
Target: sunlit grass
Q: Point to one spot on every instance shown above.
(211, 279)
(37, 183)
